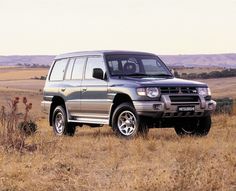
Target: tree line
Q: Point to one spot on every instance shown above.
(204, 75)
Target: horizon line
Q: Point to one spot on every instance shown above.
(180, 54)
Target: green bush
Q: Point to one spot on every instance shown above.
(225, 105)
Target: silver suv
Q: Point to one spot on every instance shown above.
(130, 91)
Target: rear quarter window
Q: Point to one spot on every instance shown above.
(69, 69)
(58, 70)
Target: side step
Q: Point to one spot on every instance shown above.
(89, 120)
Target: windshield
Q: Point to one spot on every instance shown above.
(136, 66)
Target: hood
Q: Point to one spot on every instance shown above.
(165, 82)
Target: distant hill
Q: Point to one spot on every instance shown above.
(200, 60)
(26, 60)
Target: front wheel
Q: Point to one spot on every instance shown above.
(125, 121)
(60, 124)
(194, 127)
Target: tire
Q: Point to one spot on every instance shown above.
(125, 121)
(60, 124)
(194, 127)
(204, 126)
(144, 127)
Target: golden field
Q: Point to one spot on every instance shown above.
(222, 87)
(95, 159)
(197, 70)
(13, 73)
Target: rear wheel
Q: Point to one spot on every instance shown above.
(194, 127)
(60, 124)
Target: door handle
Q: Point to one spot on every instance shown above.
(84, 89)
(63, 89)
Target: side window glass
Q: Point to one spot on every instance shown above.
(93, 62)
(78, 68)
(69, 69)
(58, 70)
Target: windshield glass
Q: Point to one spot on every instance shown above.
(136, 65)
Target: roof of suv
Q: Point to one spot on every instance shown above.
(98, 53)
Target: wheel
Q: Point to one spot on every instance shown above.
(194, 127)
(60, 124)
(125, 121)
(204, 126)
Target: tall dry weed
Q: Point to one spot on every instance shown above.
(11, 136)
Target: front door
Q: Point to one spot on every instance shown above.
(94, 101)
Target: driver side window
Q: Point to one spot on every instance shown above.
(94, 62)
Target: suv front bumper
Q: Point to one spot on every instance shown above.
(165, 108)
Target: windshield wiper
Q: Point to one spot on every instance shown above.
(164, 75)
(137, 74)
(147, 75)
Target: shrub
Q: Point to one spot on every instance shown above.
(225, 105)
(13, 133)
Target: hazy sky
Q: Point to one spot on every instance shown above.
(159, 26)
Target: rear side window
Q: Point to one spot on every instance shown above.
(58, 70)
(78, 69)
(69, 69)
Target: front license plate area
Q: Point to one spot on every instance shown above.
(186, 108)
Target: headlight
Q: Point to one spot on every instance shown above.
(204, 91)
(150, 92)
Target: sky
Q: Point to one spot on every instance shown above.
(158, 26)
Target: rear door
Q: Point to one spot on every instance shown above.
(94, 101)
(72, 85)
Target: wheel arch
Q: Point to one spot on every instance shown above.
(118, 99)
(56, 101)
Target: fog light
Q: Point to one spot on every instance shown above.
(157, 107)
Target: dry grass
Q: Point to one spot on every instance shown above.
(222, 87)
(94, 159)
(97, 160)
(19, 79)
(15, 73)
(22, 85)
(198, 70)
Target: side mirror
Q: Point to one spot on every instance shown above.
(98, 73)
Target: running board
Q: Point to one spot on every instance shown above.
(89, 120)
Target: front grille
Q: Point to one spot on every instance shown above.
(169, 90)
(184, 98)
(178, 90)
